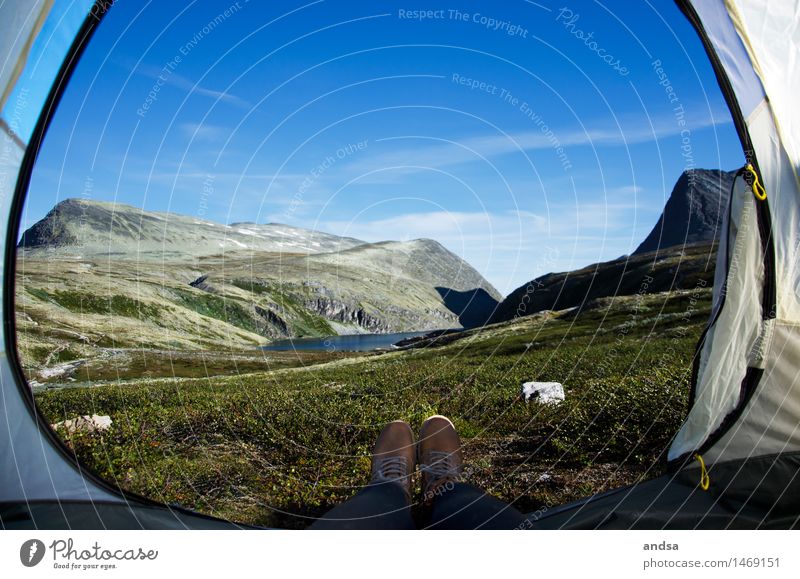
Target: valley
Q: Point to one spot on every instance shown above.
(163, 323)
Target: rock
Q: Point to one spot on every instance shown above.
(64, 369)
(93, 423)
(543, 392)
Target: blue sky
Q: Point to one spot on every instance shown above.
(526, 137)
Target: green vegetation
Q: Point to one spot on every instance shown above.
(302, 321)
(249, 285)
(275, 447)
(39, 293)
(65, 355)
(82, 302)
(34, 354)
(136, 364)
(221, 308)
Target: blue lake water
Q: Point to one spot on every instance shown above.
(354, 343)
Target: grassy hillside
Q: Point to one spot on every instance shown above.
(95, 278)
(84, 309)
(281, 446)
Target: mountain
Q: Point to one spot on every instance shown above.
(381, 287)
(94, 275)
(693, 211)
(677, 254)
(682, 267)
(126, 232)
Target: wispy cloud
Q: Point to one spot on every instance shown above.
(441, 153)
(204, 131)
(189, 86)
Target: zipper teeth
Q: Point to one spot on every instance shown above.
(769, 299)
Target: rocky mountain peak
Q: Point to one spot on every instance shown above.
(693, 212)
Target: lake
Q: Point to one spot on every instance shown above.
(354, 343)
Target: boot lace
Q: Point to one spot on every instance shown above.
(390, 469)
(440, 466)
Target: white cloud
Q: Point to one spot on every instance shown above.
(628, 189)
(187, 85)
(204, 131)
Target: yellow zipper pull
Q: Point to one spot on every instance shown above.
(758, 188)
(705, 481)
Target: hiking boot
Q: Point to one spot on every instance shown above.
(439, 455)
(393, 458)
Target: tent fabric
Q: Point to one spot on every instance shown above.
(745, 396)
(728, 47)
(20, 23)
(769, 422)
(771, 34)
(103, 515)
(746, 391)
(757, 493)
(723, 359)
(31, 468)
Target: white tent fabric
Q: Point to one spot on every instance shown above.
(31, 468)
(722, 364)
(20, 22)
(772, 39)
(763, 420)
(769, 423)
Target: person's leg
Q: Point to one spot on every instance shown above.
(452, 503)
(376, 506)
(386, 502)
(463, 506)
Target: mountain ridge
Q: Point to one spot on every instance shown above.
(110, 271)
(102, 227)
(678, 253)
(276, 281)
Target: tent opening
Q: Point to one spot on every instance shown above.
(253, 235)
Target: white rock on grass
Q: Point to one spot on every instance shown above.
(92, 423)
(543, 392)
(60, 369)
